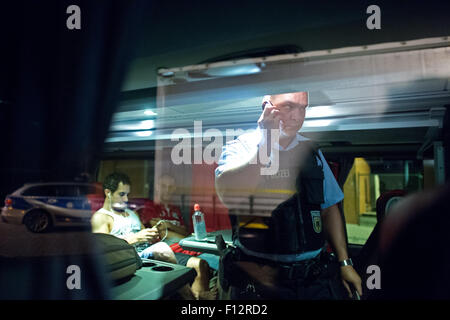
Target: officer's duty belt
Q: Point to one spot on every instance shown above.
(308, 269)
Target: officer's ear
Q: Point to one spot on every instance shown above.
(107, 193)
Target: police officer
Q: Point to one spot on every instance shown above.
(282, 199)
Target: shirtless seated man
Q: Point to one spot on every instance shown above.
(115, 218)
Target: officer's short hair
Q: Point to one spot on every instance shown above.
(267, 98)
(112, 181)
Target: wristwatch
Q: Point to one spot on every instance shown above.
(346, 262)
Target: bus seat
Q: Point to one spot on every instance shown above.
(386, 200)
(369, 254)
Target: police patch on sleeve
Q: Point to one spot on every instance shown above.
(316, 221)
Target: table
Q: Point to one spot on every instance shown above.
(155, 280)
(208, 245)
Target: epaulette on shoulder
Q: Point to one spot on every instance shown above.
(313, 145)
(314, 149)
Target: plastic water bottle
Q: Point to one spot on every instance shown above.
(198, 220)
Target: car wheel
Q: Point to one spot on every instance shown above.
(37, 221)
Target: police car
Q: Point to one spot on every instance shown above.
(41, 206)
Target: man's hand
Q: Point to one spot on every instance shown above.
(350, 276)
(154, 221)
(145, 235)
(170, 228)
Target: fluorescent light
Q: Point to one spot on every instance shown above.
(149, 112)
(146, 124)
(317, 123)
(319, 112)
(144, 133)
(230, 71)
(133, 125)
(168, 74)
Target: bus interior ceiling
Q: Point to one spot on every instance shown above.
(387, 99)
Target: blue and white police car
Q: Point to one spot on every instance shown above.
(41, 206)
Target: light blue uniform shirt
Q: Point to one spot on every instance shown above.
(242, 149)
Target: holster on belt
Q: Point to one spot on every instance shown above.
(230, 273)
(323, 266)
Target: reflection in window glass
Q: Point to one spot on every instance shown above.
(370, 126)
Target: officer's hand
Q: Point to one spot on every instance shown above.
(350, 276)
(270, 117)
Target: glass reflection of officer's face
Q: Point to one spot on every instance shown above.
(293, 109)
(166, 188)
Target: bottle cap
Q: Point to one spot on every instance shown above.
(196, 207)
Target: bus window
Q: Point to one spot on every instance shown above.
(367, 181)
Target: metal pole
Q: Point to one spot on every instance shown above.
(439, 163)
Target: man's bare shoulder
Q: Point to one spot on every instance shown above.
(100, 217)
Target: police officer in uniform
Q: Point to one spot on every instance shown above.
(282, 199)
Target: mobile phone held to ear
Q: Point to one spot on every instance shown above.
(266, 102)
